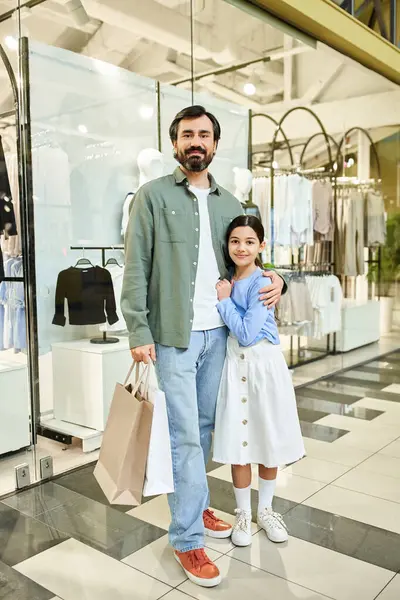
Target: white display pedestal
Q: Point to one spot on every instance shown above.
(360, 325)
(84, 378)
(14, 407)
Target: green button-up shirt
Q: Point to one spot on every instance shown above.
(161, 256)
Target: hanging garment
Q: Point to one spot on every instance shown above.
(301, 205)
(375, 221)
(349, 246)
(12, 245)
(326, 297)
(90, 297)
(7, 217)
(322, 200)
(117, 275)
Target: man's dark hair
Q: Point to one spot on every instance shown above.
(194, 112)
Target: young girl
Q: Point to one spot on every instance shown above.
(256, 419)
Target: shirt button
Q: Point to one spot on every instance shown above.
(197, 214)
(244, 400)
(244, 379)
(191, 299)
(244, 421)
(192, 282)
(196, 229)
(195, 263)
(173, 212)
(242, 356)
(196, 246)
(244, 444)
(191, 320)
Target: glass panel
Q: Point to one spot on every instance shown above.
(15, 409)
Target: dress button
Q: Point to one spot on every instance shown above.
(197, 214)
(244, 379)
(242, 356)
(195, 263)
(196, 229)
(196, 246)
(244, 400)
(244, 444)
(244, 421)
(173, 212)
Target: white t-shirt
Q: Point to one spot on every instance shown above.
(206, 315)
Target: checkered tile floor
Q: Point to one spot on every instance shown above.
(61, 540)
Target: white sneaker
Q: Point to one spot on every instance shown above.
(241, 534)
(274, 525)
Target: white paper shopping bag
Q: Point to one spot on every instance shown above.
(159, 477)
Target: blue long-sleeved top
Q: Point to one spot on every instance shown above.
(245, 315)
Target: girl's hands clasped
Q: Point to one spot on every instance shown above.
(224, 289)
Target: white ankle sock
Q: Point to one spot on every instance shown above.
(243, 498)
(266, 490)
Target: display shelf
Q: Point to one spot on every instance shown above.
(91, 439)
(14, 408)
(84, 378)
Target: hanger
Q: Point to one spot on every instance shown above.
(83, 261)
(113, 261)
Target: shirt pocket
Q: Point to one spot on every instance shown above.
(173, 225)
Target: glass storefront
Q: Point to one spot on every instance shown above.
(96, 94)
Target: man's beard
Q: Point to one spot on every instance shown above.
(195, 163)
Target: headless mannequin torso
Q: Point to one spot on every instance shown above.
(151, 166)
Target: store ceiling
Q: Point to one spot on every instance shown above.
(152, 38)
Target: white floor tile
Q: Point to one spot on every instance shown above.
(72, 570)
(394, 388)
(392, 591)
(176, 595)
(373, 439)
(157, 560)
(319, 470)
(357, 506)
(244, 581)
(381, 464)
(373, 484)
(344, 422)
(324, 571)
(392, 449)
(155, 511)
(344, 454)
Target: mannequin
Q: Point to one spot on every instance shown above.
(151, 166)
(243, 182)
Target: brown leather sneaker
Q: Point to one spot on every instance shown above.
(199, 568)
(214, 527)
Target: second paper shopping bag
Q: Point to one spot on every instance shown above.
(121, 468)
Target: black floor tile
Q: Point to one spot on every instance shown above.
(346, 536)
(359, 383)
(321, 432)
(83, 482)
(223, 498)
(310, 415)
(335, 408)
(41, 499)
(22, 537)
(102, 527)
(15, 586)
(324, 393)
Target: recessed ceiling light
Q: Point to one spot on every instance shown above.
(82, 128)
(249, 88)
(146, 112)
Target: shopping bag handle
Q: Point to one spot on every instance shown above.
(140, 377)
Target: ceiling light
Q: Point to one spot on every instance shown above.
(249, 88)
(82, 128)
(11, 42)
(146, 112)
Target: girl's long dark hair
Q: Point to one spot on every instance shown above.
(244, 221)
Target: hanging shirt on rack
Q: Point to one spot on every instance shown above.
(322, 200)
(7, 217)
(90, 297)
(349, 247)
(375, 221)
(326, 297)
(301, 205)
(117, 275)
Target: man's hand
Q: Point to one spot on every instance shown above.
(143, 353)
(271, 294)
(224, 289)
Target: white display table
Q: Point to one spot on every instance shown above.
(84, 378)
(14, 407)
(360, 325)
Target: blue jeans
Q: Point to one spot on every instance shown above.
(190, 379)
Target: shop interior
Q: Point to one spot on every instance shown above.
(311, 144)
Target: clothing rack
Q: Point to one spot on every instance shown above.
(104, 339)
